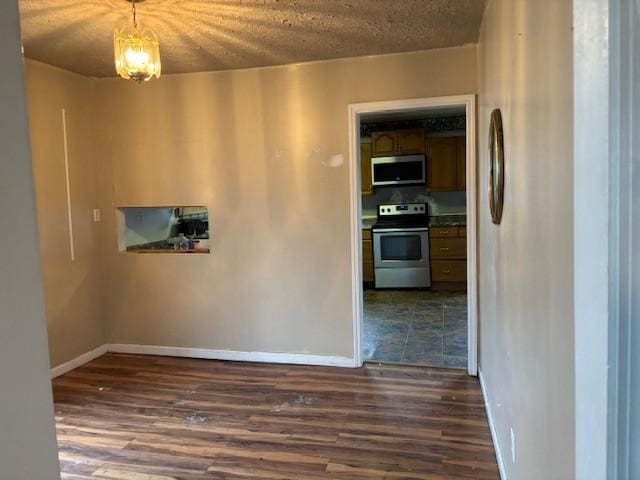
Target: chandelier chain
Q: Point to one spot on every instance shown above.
(133, 10)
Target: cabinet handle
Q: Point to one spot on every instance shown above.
(443, 232)
(446, 270)
(444, 249)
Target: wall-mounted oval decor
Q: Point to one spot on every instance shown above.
(496, 166)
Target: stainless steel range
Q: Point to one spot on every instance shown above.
(401, 246)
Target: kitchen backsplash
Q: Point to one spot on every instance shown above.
(440, 203)
(431, 125)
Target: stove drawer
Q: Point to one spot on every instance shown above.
(449, 248)
(449, 271)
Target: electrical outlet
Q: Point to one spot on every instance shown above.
(513, 446)
(96, 214)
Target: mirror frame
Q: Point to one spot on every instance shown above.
(496, 166)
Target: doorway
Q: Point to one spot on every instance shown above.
(415, 322)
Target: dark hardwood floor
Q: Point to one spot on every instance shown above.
(129, 417)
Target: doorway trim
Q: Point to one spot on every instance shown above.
(355, 111)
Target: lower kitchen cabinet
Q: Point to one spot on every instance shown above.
(448, 270)
(448, 250)
(367, 256)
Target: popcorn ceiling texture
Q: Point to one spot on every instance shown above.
(206, 35)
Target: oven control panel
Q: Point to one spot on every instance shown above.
(402, 209)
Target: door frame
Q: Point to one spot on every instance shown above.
(355, 111)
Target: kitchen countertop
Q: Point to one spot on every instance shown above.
(367, 222)
(434, 221)
(164, 246)
(167, 250)
(448, 221)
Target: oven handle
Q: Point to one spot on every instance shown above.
(389, 230)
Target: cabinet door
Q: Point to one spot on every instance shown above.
(367, 256)
(365, 168)
(442, 164)
(384, 144)
(461, 159)
(411, 141)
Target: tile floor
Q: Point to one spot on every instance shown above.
(415, 327)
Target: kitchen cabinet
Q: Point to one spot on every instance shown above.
(448, 251)
(365, 168)
(461, 160)
(384, 144)
(408, 141)
(449, 248)
(446, 164)
(411, 141)
(449, 273)
(367, 256)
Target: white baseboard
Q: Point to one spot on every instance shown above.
(239, 356)
(78, 361)
(494, 434)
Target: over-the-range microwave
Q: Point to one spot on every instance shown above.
(400, 170)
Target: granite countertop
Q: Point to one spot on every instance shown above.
(367, 222)
(448, 221)
(434, 221)
(164, 246)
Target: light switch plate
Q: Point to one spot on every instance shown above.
(96, 214)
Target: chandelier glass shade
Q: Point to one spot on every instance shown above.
(136, 51)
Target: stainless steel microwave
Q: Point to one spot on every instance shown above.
(401, 170)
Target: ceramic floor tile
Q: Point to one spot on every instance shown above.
(415, 326)
(426, 360)
(455, 342)
(424, 344)
(455, 300)
(370, 307)
(388, 327)
(455, 311)
(423, 349)
(433, 325)
(400, 309)
(388, 348)
(453, 361)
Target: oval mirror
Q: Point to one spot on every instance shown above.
(496, 166)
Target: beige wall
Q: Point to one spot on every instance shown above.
(27, 437)
(72, 288)
(526, 264)
(252, 146)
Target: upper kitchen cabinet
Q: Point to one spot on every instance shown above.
(365, 168)
(384, 144)
(398, 142)
(461, 159)
(411, 141)
(446, 164)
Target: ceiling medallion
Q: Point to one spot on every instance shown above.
(136, 51)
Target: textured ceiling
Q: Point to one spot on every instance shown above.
(202, 35)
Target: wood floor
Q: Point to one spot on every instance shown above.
(131, 417)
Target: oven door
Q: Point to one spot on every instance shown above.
(403, 170)
(401, 248)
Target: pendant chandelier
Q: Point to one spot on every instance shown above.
(136, 51)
